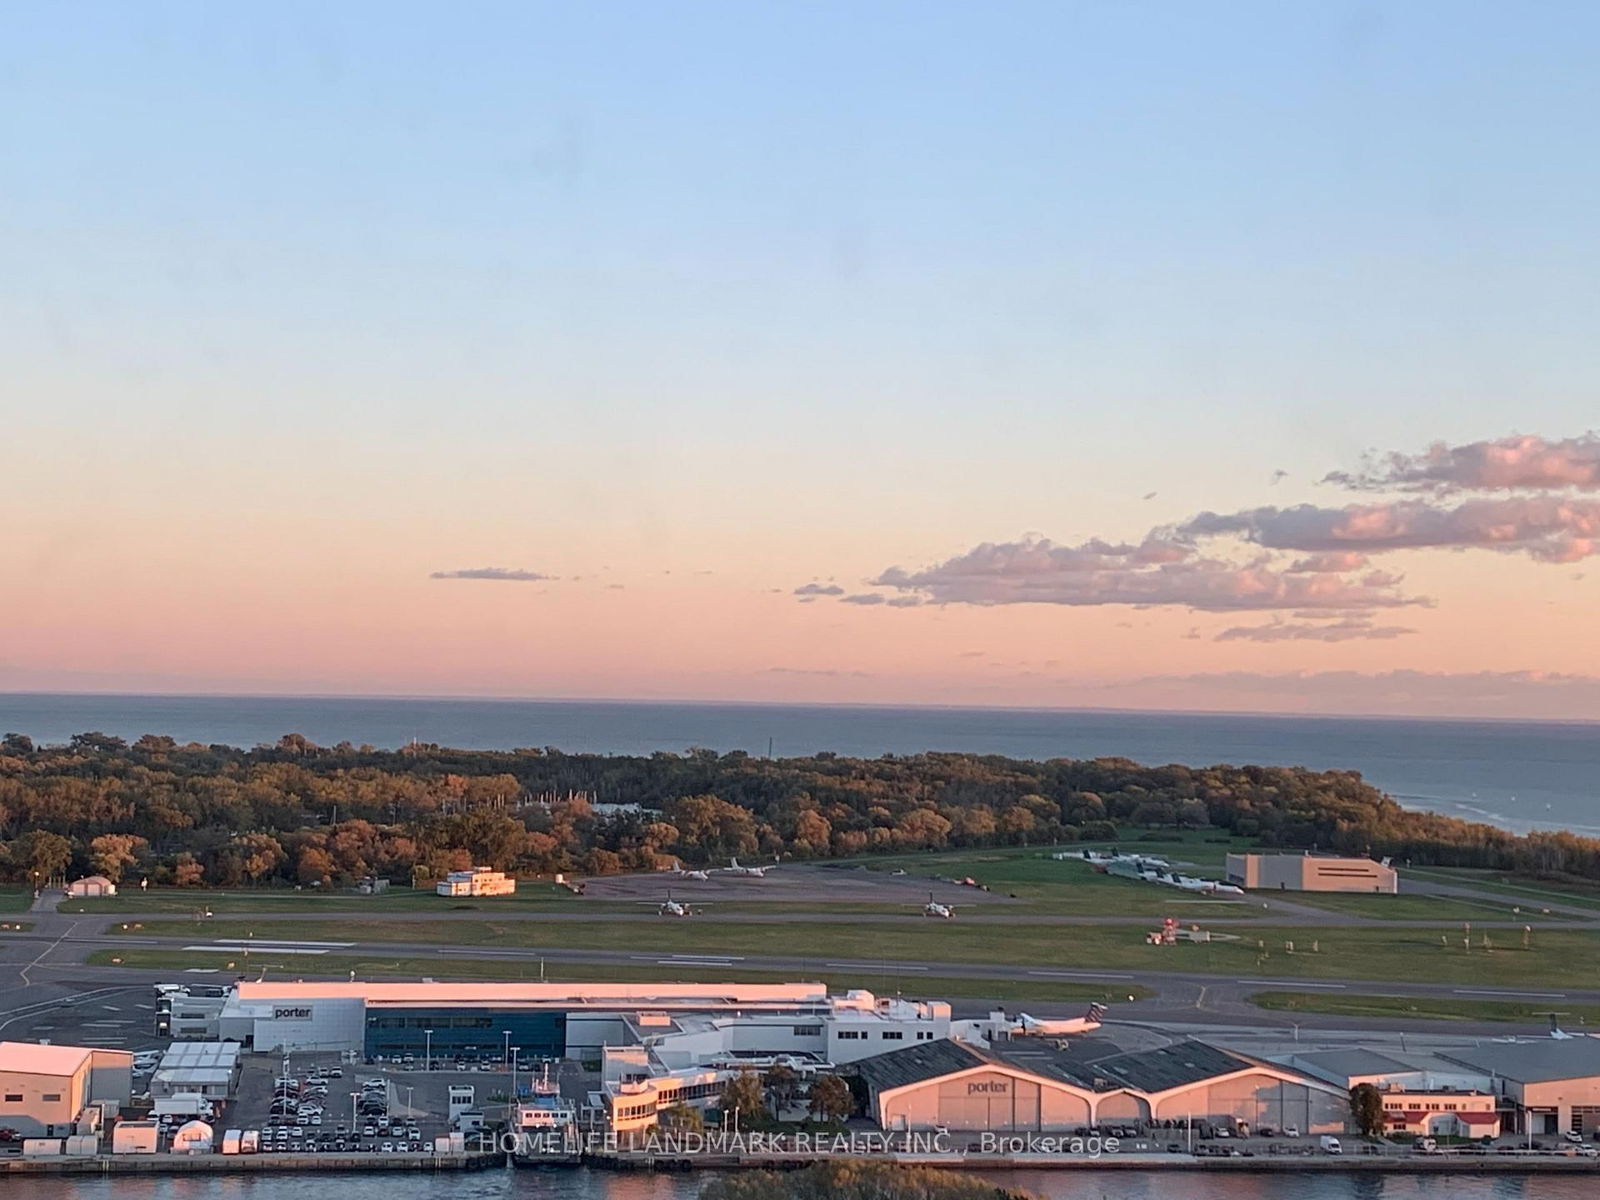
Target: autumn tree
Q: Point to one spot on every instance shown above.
(742, 1097)
(259, 854)
(42, 855)
(831, 1099)
(1366, 1109)
(112, 853)
(780, 1083)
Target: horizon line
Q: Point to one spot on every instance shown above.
(457, 698)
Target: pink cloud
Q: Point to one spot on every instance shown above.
(1501, 464)
(1158, 571)
(1347, 630)
(1547, 528)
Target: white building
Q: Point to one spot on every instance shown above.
(91, 885)
(479, 881)
(665, 1061)
(209, 1069)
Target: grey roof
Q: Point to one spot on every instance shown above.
(917, 1064)
(1170, 1066)
(1094, 1064)
(1346, 1064)
(1534, 1061)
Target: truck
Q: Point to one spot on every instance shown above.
(250, 1142)
(1330, 1145)
(231, 1139)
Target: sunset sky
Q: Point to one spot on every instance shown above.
(1208, 356)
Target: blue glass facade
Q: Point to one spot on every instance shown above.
(469, 1033)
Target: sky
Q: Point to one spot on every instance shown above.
(1223, 356)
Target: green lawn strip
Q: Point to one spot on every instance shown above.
(1065, 887)
(1405, 908)
(1425, 1008)
(1528, 893)
(15, 900)
(187, 900)
(1554, 956)
(883, 983)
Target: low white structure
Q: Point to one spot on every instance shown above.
(193, 1137)
(91, 885)
(479, 881)
(208, 1069)
(135, 1137)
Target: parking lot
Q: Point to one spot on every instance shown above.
(323, 1103)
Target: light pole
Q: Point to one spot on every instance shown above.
(515, 1052)
(354, 1123)
(427, 1050)
(506, 1061)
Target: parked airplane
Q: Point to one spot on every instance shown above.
(733, 868)
(934, 909)
(677, 869)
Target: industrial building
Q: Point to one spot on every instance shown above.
(44, 1089)
(479, 881)
(465, 1020)
(1531, 1086)
(1311, 873)
(1553, 1085)
(1040, 1084)
(668, 1060)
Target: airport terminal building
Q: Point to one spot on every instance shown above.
(468, 1020)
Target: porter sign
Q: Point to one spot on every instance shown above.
(291, 1014)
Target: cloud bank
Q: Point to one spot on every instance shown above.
(1347, 630)
(505, 574)
(1154, 572)
(1523, 462)
(1241, 561)
(1547, 528)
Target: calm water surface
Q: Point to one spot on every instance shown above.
(586, 1185)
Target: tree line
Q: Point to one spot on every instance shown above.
(296, 812)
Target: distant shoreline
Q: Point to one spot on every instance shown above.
(806, 705)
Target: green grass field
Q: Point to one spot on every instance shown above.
(1407, 908)
(1070, 887)
(1518, 889)
(1554, 957)
(1421, 1008)
(15, 900)
(530, 895)
(368, 967)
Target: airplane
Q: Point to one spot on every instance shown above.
(744, 872)
(672, 908)
(677, 869)
(934, 909)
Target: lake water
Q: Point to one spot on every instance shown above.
(1515, 774)
(587, 1185)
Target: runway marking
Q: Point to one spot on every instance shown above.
(199, 970)
(877, 967)
(275, 942)
(1536, 995)
(1079, 975)
(1296, 983)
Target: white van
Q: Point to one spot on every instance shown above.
(1330, 1145)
